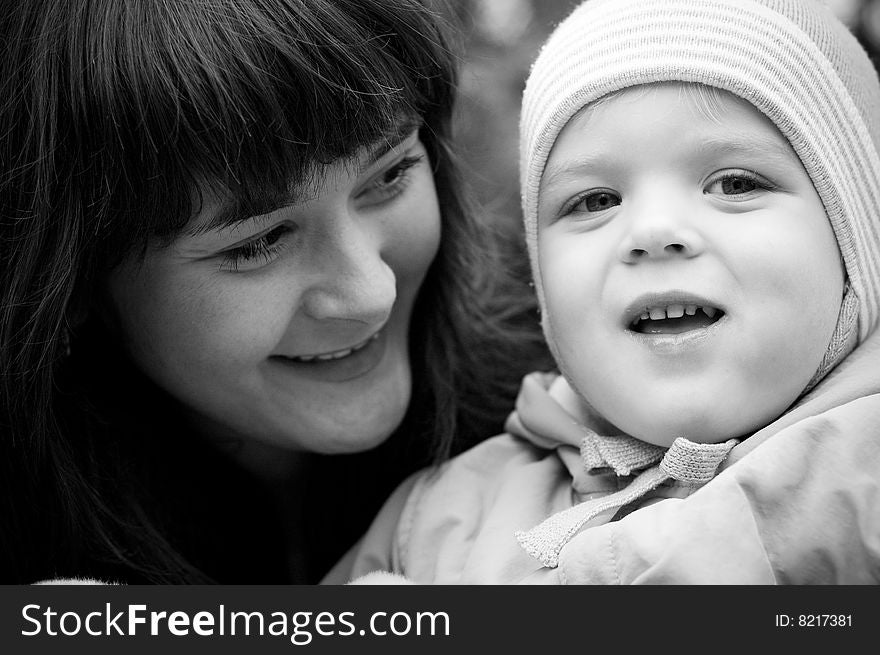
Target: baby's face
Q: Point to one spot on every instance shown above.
(692, 281)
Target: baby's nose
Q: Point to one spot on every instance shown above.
(660, 237)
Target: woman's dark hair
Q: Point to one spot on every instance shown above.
(114, 114)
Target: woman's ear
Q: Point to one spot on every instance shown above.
(94, 306)
(75, 316)
(80, 304)
(77, 313)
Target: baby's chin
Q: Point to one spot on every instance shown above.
(665, 440)
(717, 429)
(660, 420)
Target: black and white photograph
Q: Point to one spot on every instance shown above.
(314, 313)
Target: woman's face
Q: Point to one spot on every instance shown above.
(291, 328)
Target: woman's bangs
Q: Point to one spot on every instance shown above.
(253, 103)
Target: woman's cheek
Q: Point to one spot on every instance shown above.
(236, 321)
(415, 231)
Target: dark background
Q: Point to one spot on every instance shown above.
(503, 38)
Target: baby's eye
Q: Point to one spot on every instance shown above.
(596, 201)
(738, 183)
(734, 185)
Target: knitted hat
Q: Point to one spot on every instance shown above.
(791, 59)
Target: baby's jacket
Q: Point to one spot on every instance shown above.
(794, 503)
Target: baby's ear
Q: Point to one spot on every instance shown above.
(381, 577)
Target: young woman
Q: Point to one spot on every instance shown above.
(242, 293)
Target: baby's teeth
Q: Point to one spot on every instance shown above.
(690, 310)
(645, 316)
(675, 311)
(710, 311)
(657, 313)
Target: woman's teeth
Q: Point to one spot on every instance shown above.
(338, 354)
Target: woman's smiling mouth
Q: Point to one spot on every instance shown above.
(336, 354)
(337, 366)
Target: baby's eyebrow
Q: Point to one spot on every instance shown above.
(705, 146)
(751, 144)
(570, 169)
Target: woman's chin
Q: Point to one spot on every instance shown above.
(359, 438)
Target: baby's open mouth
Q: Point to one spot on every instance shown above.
(675, 319)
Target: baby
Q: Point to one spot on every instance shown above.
(701, 194)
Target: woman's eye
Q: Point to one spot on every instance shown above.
(391, 182)
(738, 183)
(392, 176)
(257, 252)
(597, 201)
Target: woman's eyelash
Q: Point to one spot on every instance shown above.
(264, 248)
(394, 179)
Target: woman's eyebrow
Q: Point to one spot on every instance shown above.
(397, 134)
(231, 213)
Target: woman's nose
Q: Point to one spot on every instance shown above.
(658, 235)
(354, 281)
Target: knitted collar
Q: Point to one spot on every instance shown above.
(685, 461)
